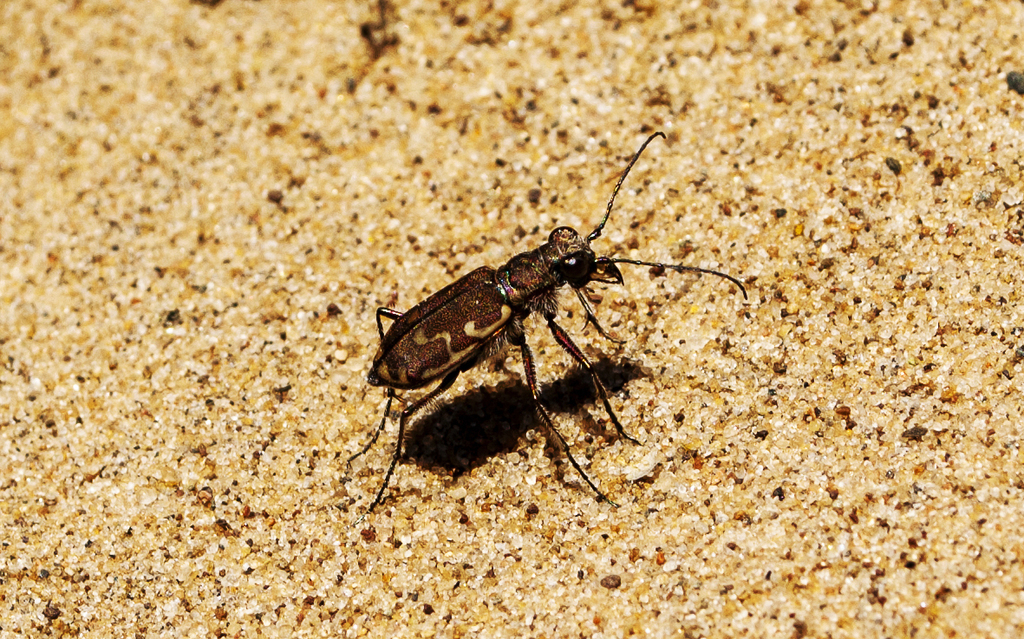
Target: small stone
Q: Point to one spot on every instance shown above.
(611, 582)
(914, 434)
(1015, 80)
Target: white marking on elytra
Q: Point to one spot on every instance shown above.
(468, 329)
(487, 331)
(421, 338)
(385, 373)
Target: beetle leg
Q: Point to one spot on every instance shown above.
(531, 381)
(383, 420)
(389, 313)
(570, 347)
(445, 384)
(392, 315)
(592, 318)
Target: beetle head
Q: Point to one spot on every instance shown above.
(574, 261)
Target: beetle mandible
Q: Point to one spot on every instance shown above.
(482, 312)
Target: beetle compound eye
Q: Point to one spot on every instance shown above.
(576, 266)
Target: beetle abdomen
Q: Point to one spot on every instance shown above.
(441, 333)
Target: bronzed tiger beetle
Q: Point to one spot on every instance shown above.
(482, 312)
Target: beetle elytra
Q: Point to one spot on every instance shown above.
(482, 312)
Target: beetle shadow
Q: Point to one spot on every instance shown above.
(457, 433)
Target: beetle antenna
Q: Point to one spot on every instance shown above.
(597, 232)
(679, 268)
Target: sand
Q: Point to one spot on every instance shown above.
(187, 188)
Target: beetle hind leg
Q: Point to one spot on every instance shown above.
(380, 428)
(390, 313)
(531, 381)
(445, 384)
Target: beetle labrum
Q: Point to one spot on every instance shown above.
(482, 313)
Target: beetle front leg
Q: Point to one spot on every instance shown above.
(531, 381)
(445, 384)
(570, 347)
(592, 318)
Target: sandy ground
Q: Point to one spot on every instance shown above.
(187, 189)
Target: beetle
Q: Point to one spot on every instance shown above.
(481, 313)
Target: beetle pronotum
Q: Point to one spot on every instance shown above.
(482, 312)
